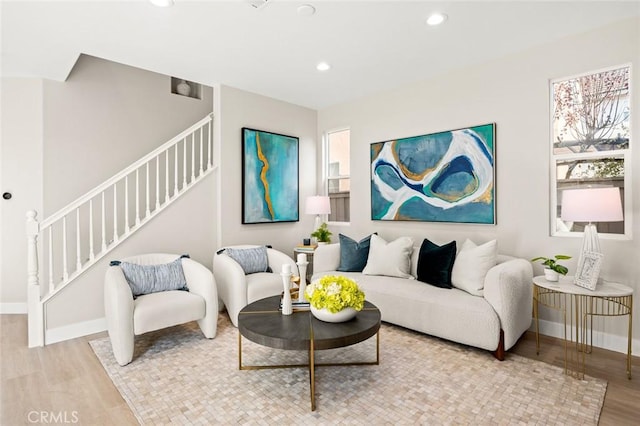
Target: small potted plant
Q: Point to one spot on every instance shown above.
(322, 234)
(334, 298)
(552, 269)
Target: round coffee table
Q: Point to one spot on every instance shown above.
(262, 323)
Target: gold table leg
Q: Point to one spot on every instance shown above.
(311, 364)
(535, 316)
(581, 308)
(312, 375)
(629, 336)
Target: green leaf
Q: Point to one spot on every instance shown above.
(562, 257)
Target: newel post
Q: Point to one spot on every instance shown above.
(35, 307)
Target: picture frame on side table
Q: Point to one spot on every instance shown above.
(588, 270)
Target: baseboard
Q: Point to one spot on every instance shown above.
(73, 331)
(548, 328)
(13, 308)
(602, 340)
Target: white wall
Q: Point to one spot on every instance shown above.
(71, 136)
(109, 115)
(513, 93)
(21, 175)
(186, 226)
(243, 109)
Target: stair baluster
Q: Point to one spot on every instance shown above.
(83, 229)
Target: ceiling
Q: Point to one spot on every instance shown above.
(371, 45)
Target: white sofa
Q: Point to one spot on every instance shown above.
(494, 321)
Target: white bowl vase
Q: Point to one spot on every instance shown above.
(341, 316)
(551, 275)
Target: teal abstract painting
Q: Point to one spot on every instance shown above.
(269, 177)
(439, 177)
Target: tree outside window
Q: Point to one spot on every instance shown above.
(590, 138)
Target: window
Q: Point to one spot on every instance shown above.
(590, 144)
(337, 171)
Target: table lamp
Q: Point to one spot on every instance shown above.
(591, 205)
(318, 204)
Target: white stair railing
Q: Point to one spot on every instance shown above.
(104, 217)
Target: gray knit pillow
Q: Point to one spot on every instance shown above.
(145, 279)
(252, 260)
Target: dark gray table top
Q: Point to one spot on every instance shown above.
(262, 323)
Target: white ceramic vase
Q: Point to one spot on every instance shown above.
(324, 315)
(183, 88)
(551, 275)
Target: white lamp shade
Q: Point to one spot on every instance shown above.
(318, 204)
(592, 205)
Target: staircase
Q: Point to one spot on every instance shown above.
(72, 240)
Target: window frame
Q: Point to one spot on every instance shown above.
(624, 154)
(326, 177)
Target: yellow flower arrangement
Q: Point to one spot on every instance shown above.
(334, 293)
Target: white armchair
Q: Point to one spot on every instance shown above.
(237, 290)
(128, 317)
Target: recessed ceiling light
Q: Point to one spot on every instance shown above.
(162, 3)
(436, 19)
(306, 10)
(323, 66)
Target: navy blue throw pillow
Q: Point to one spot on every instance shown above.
(353, 254)
(435, 263)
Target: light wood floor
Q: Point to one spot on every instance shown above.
(67, 379)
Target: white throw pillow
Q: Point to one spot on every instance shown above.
(472, 264)
(392, 259)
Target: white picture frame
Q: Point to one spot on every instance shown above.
(588, 270)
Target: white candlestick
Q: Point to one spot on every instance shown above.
(287, 306)
(302, 257)
(302, 267)
(286, 268)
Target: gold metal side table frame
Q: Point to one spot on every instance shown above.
(578, 307)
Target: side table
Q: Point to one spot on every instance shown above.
(578, 306)
(309, 253)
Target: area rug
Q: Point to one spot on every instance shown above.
(179, 377)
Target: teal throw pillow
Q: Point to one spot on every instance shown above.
(435, 263)
(353, 254)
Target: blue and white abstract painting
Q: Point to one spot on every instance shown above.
(440, 177)
(269, 177)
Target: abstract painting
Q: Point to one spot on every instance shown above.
(269, 177)
(439, 177)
